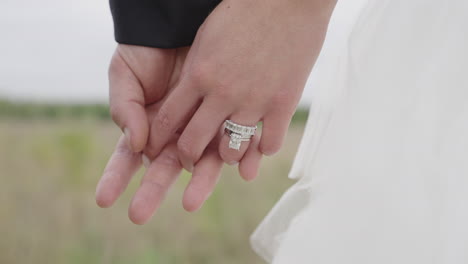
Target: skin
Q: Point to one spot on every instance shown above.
(141, 78)
(246, 68)
(249, 63)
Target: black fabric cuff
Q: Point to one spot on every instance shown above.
(159, 23)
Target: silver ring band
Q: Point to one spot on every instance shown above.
(238, 133)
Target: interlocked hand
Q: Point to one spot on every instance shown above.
(249, 63)
(141, 79)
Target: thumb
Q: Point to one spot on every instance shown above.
(127, 103)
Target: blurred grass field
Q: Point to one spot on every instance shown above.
(51, 157)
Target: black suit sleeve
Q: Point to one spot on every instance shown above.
(159, 23)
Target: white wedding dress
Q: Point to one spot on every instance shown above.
(383, 165)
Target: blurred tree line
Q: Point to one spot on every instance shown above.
(30, 111)
(98, 111)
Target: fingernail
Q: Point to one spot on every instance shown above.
(188, 166)
(268, 153)
(233, 163)
(127, 137)
(146, 160)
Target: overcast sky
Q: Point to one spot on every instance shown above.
(58, 50)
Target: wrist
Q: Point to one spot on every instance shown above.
(316, 11)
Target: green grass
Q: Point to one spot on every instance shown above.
(49, 167)
(34, 111)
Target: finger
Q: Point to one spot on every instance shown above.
(233, 156)
(274, 129)
(200, 131)
(160, 175)
(178, 107)
(204, 178)
(127, 103)
(250, 163)
(119, 170)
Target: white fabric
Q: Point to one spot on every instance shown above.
(383, 165)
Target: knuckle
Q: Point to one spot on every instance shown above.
(124, 151)
(157, 184)
(169, 159)
(163, 120)
(114, 111)
(226, 95)
(201, 72)
(288, 113)
(118, 65)
(115, 67)
(283, 106)
(186, 147)
(282, 97)
(205, 74)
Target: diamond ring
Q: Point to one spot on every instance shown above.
(238, 133)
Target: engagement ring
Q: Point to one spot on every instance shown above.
(238, 133)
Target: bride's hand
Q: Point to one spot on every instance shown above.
(141, 78)
(249, 63)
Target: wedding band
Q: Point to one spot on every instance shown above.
(238, 133)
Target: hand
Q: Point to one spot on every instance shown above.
(138, 77)
(249, 63)
(140, 80)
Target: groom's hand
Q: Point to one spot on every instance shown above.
(161, 173)
(140, 80)
(140, 76)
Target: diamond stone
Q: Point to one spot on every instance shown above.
(235, 143)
